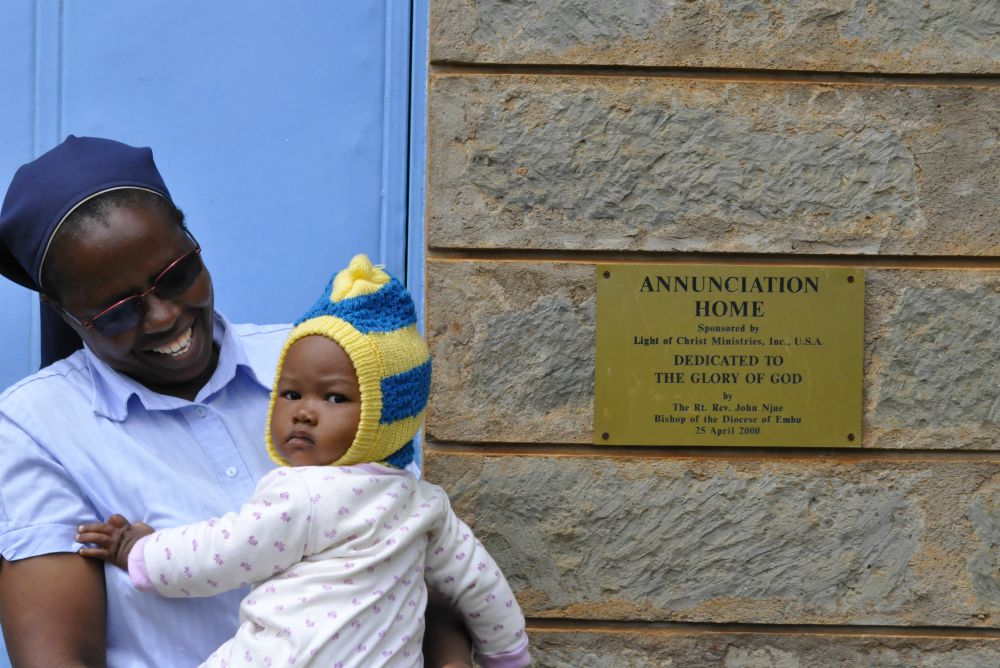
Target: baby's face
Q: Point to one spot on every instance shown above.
(318, 404)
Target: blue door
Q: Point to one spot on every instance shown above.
(281, 129)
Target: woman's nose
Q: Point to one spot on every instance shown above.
(161, 314)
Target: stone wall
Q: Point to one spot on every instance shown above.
(865, 133)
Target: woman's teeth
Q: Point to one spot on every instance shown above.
(178, 346)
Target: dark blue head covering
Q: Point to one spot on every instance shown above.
(46, 190)
(41, 196)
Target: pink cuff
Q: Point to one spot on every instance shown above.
(137, 566)
(515, 658)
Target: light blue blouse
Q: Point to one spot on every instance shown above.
(79, 442)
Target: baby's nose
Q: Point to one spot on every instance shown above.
(303, 414)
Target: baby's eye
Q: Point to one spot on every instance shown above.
(290, 394)
(336, 398)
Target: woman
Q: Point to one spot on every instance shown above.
(160, 416)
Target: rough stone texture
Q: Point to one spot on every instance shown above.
(771, 541)
(513, 351)
(659, 164)
(567, 649)
(513, 346)
(933, 359)
(829, 35)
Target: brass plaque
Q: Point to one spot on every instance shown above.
(729, 355)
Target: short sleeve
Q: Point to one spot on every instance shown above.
(40, 504)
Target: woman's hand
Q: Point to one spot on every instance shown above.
(114, 539)
(446, 640)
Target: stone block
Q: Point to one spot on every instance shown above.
(513, 346)
(827, 35)
(758, 540)
(678, 165)
(680, 649)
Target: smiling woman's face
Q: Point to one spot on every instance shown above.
(171, 350)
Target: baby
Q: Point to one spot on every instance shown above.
(336, 543)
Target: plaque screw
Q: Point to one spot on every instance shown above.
(607, 274)
(850, 437)
(605, 436)
(850, 279)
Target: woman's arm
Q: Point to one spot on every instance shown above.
(52, 609)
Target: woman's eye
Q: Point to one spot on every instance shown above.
(290, 394)
(336, 398)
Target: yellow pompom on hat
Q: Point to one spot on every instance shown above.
(372, 317)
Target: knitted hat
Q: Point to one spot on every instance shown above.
(47, 190)
(371, 316)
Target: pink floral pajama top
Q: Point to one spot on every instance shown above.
(337, 559)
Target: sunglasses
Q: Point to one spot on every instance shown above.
(127, 313)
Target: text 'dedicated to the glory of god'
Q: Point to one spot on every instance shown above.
(729, 355)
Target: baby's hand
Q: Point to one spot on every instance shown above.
(114, 539)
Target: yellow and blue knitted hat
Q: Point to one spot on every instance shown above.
(371, 316)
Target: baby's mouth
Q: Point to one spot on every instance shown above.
(299, 439)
